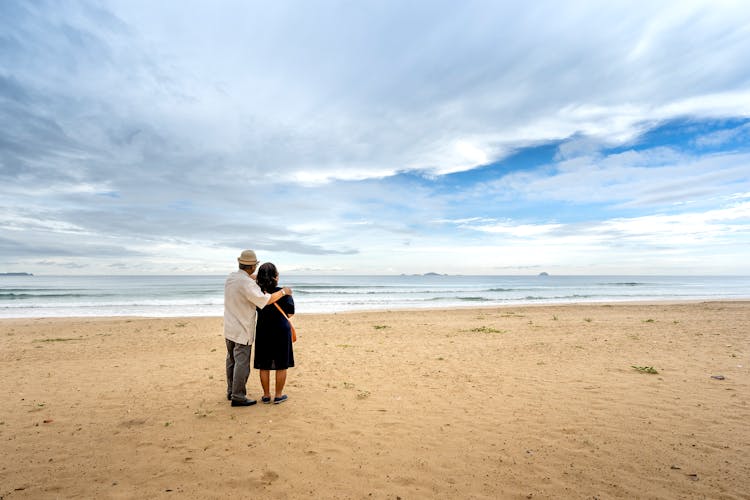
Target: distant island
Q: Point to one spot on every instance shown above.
(16, 274)
(425, 274)
(544, 273)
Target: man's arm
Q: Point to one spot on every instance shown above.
(275, 296)
(255, 295)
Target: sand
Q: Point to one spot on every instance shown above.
(513, 402)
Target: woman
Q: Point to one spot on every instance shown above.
(273, 336)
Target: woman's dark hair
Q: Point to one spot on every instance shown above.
(268, 277)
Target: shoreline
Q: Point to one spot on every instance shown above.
(532, 401)
(423, 309)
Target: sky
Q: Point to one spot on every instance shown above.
(375, 136)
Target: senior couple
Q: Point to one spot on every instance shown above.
(253, 306)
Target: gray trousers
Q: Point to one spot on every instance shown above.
(238, 369)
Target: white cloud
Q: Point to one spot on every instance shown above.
(314, 91)
(690, 228)
(687, 242)
(515, 230)
(313, 177)
(650, 177)
(658, 230)
(722, 137)
(290, 127)
(18, 220)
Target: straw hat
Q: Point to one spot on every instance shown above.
(247, 257)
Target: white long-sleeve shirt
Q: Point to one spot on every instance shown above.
(241, 296)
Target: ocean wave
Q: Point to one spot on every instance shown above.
(22, 296)
(174, 302)
(31, 289)
(297, 286)
(367, 290)
(559, 297)
(455, 298)
(180, 295)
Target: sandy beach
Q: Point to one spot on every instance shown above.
(512, 402)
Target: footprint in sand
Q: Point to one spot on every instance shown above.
(269, 477)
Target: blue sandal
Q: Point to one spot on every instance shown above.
(280, 399)
(265, 399)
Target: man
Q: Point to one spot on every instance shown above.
(241, 296)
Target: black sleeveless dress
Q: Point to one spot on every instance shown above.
(273, 337)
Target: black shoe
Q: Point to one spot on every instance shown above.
(247, 402)
(229, 397)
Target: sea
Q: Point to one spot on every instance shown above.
(177, 295)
